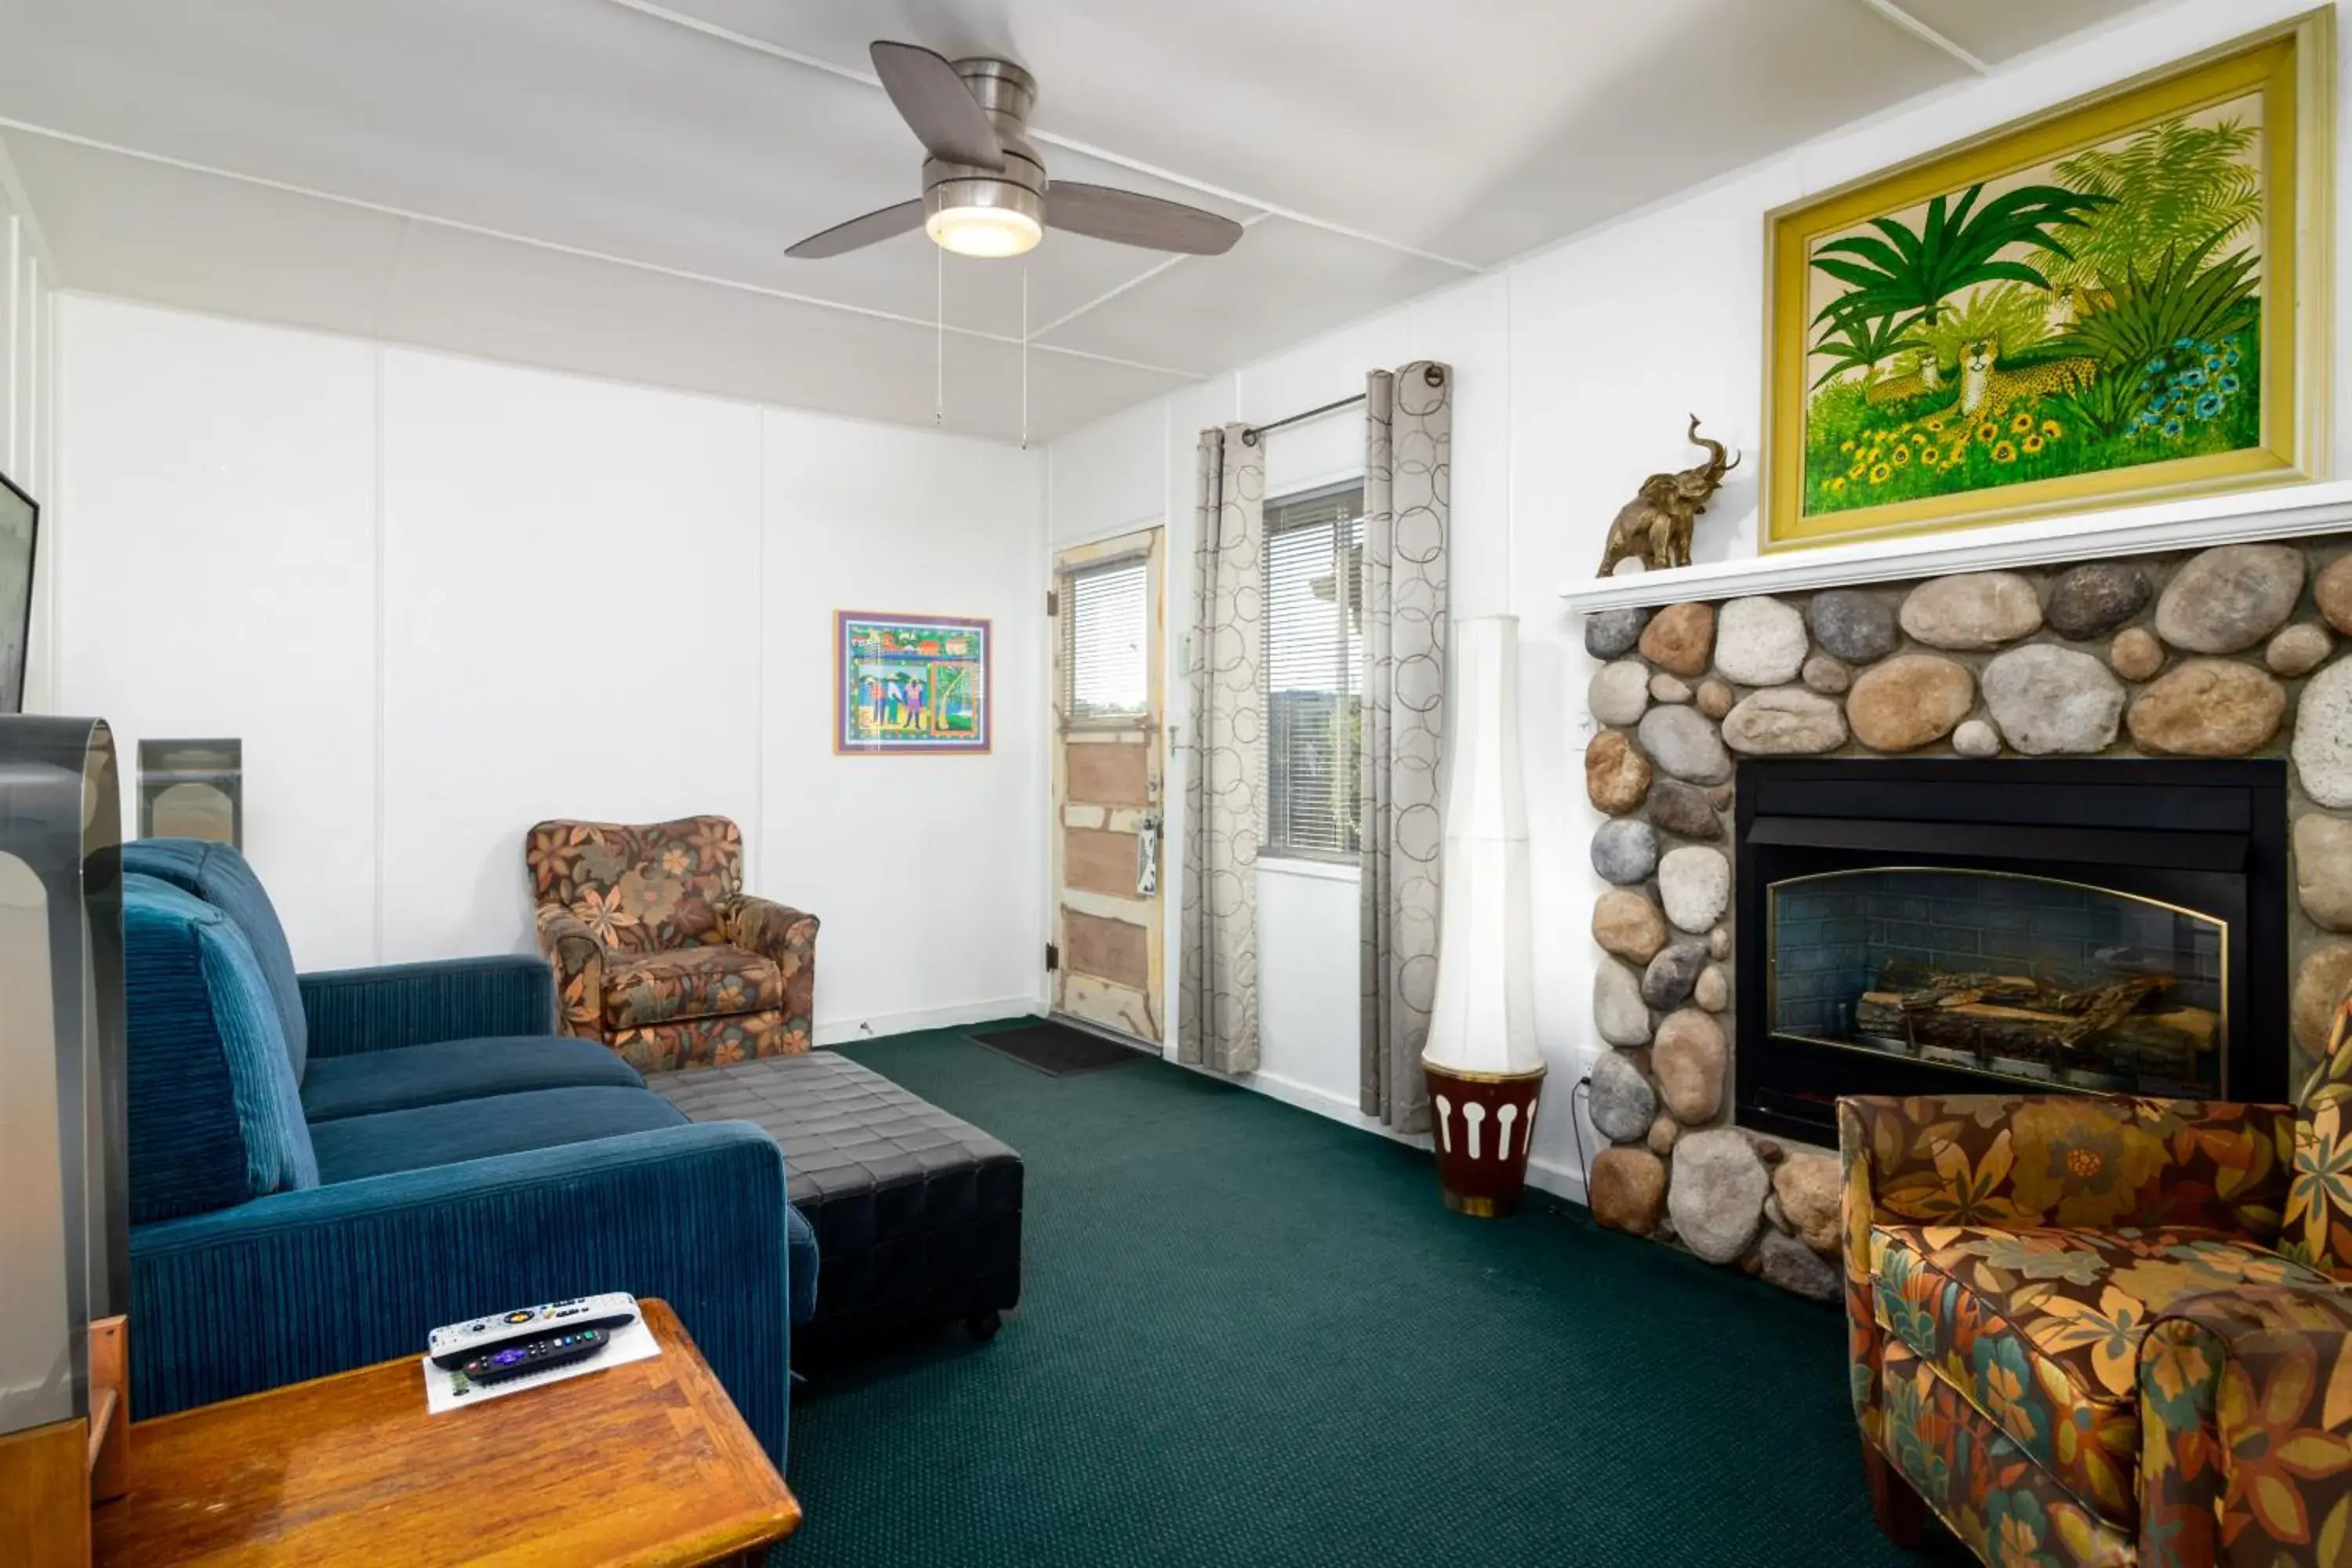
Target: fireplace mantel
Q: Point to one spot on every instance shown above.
(2286, 513)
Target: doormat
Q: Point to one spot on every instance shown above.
(1059, 1050)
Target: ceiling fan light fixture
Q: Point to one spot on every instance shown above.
(983, 231)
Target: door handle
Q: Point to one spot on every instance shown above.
(1147, 856)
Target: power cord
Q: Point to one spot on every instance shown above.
(1576, 1126)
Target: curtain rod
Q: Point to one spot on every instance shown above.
(1432, 373)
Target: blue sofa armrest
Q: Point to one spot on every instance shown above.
(395, 1005)
(303, 1284)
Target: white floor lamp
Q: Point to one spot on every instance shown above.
(1483, 1069)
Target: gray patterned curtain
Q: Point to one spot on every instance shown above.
(1407, 508)
(1216, 1013)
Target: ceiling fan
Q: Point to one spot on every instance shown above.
(985, 189)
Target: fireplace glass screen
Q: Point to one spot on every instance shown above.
(2017, 977)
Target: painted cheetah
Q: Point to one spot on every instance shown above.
(1984, 385)
(1924, 376)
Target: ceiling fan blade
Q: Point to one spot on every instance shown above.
(1130, 218)
(937, 106)
(873, 228)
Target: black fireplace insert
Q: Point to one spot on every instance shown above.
(1942, 926)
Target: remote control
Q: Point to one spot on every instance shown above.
(454, 1344)
(527, 1356)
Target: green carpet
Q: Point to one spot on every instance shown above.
(1250, 1335)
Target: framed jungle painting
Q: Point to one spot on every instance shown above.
(2121, 300)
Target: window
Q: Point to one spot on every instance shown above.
(1106, 628)
(1314, 672)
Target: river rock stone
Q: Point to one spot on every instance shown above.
(1628, 924)
(1625, 850)
(1688, 1057)
(1672, 970)
(1618, 692)
(1664, 1131)
(1975, 738)
(1682, 742)
(1810, 1187)
(1759, 641)
(1622, 1102)
(1695, 884)
(1612, 634)
(1717, 1193)
(2210, 708)
(1712, 990)
(2049, 700)
(1828, 676)
(1616, 775)
(1716, 697)
(1785, 1261)
(1618, 1012)
(1718, 942)
(1855, 626)
(2231, 597)
(2135, 654)
(1680, 638)
(1628, 1190)
(2323, 869)
(2323, 736)
(2332, 591)
(1664, 688)
(1684, 809)
(2318, 986)
(1909, 700)
(2093, 600)
(2298, 649)
(1785, 721)
(1972, 610)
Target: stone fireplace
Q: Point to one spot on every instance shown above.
(2077, 827)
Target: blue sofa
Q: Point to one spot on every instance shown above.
(324, 1166)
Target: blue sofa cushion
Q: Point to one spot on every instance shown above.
(406, 1077)
(358, 1146)
(214, 1116)
(800, 1269)
(218, 875)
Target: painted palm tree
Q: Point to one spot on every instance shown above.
(2172, 184)
(1957, 246)
(1864, 343)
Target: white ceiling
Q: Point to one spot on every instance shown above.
(608, 185)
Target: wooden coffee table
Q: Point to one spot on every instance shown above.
(647, 1465)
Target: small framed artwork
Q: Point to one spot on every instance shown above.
(2124, 299)
(909, 683)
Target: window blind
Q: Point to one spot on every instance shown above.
(1314, 672)
(1105, 626)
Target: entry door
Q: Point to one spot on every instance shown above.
(1110, 629)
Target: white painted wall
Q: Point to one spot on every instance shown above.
(440, 599)
(1577, 367)
(29, 408)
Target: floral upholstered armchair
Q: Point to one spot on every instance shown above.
(657, 950)
(2108, 1331)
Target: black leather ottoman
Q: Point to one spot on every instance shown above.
(917, 1215)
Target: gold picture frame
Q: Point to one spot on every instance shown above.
(1909, 345)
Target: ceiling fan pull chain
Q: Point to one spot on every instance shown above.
(1025, 356)
(939, 342)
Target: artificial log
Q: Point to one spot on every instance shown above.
(2017, 1016)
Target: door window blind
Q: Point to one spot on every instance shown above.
(1314, 672)
(1106, 628)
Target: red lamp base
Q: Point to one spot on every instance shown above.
(1482, 1124)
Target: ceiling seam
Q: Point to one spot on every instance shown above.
(582, 252)
(1927, 34)
(1144, 276)
(1067, 143)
